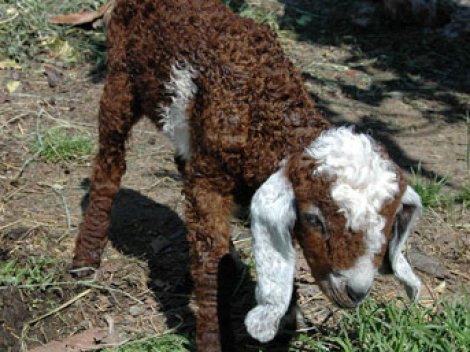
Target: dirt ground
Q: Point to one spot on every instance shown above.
(408, 86)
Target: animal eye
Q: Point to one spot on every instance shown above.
(312, 219)
(317, 221)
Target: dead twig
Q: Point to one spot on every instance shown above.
(9, 195)
(13, 13)
(39, 97)
(24, 330)
(461, 274)
(82, 127)
(40, 146)
(16, 118)
(158, 182)
(87, 283)
(59, 190)
(110, 290)
(9, 225)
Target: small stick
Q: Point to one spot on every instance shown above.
(7, 196)
(26, 326)
(58, 189)
(459, 273)
(9, 225)
(17, 117)
(39, 97)
(40, 149)
(14, 14)
(158, 182)
(110, 289)
(89, 283)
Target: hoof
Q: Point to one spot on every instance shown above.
(83, 268)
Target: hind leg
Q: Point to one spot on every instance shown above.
(116, 118)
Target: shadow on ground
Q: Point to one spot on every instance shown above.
(153, 232)
(426, 66)
(426, 63)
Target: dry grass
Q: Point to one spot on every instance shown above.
(26, 35)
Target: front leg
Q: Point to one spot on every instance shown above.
(209, 206)
(116, 117)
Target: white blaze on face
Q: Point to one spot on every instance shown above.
(363, 181)
(175, 120)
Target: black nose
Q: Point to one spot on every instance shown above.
(356, 296)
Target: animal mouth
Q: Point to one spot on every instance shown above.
(336, 291)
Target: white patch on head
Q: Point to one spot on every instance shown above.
(175, 120)
(362, 182)
(272, 218)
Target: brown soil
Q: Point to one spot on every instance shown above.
(407, 86)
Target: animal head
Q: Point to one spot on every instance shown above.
(349, 208)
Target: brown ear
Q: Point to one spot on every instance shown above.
(394, 261)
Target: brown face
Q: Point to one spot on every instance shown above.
(340, 259)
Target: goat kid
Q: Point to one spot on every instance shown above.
(221, 88)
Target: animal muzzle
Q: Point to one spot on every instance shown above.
(342, 294)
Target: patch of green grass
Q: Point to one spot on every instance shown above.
(60, 145)
(433, 195)
(430, 191)
(35, 271)
(463, 196)
(164, 343)
(384, 327)
(25, 33)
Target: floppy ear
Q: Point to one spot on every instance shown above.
(395, 262)
(272, 219)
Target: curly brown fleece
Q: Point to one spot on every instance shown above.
(251, 112)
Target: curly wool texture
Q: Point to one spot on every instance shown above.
(222, 89)
(363, 180)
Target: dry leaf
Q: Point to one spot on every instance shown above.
(76, 18)
(61, 48)
(84, 17)
(12, 86)
(89, 339)
(9, 64)
(439, 289)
